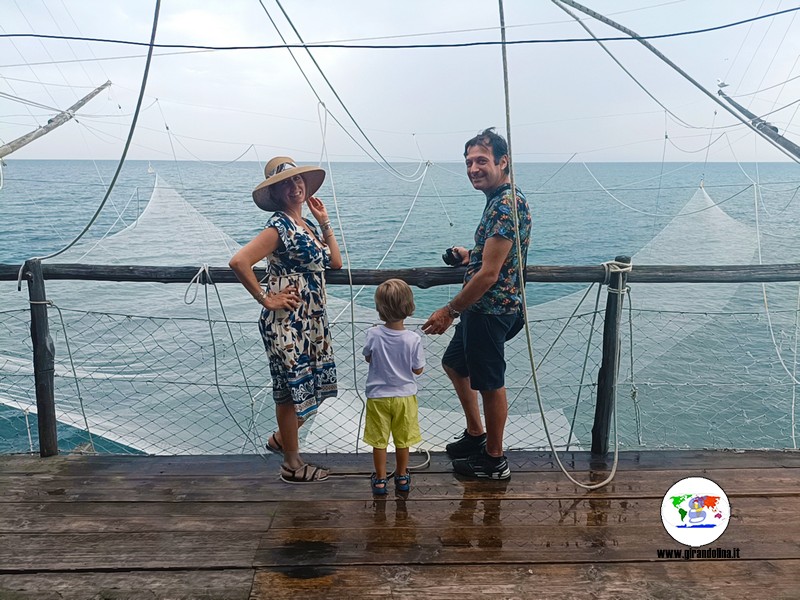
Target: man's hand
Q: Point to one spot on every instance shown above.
(461, 253)
(438, 322)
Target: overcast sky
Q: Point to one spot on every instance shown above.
(412, 103)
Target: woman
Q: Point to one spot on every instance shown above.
(293, 324)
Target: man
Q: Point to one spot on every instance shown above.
(490, 309)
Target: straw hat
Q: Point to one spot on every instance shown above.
(280, 169)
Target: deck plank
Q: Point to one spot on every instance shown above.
(142, 517)
(225, 584)
(678, 580)
(777, 481)
(534, 461)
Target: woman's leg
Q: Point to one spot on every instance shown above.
(287, 428)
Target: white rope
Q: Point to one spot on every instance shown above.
(203, 276)
(791, 373)
(72, 367)
(558, 337)
(679, 215)
(323, 124)
(521, 272)
(391, 245)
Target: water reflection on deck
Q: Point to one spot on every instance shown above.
(226, 527)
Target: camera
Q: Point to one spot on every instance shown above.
(449, 257)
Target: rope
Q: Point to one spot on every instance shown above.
(323, 124)
(203, 276)
(583, 368)
(127, 142)
(520, 262)
(393, 242)
(72, 366)
(621, 66)
(680, 71)
(385, 165)
(645, 212)
(558, 337)
(634, 390)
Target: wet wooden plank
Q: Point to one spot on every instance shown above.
(457, 543)
(142, 517)
(81, 465)
(156, 550)
(226, 584)
(661, 580)
(582, 512)
(626, 485)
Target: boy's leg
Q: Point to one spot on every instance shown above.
(379, 460)
(402, 455)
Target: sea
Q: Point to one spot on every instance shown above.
(406, 215)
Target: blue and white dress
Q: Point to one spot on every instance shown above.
(298, 342)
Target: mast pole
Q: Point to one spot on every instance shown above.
(56, 121)
(654, 50)
(765, 128)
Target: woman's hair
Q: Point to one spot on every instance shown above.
(394, 300)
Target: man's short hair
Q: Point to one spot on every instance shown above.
(394, 300)
(491, 141)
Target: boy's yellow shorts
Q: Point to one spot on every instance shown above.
(397, 416)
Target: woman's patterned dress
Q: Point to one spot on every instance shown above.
(298, 342)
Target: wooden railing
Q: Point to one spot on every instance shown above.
(35, 273)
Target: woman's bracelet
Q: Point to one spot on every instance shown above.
(261, 296)
(326, 226)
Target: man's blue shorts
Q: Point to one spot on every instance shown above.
(477, 348)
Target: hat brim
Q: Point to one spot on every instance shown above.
(313, 177)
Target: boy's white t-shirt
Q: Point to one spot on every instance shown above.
(393, 353)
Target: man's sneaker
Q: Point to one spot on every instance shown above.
(483, 466)
(466, 445)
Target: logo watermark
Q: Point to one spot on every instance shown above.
(695, 512)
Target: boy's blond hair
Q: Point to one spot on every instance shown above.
(394, 300)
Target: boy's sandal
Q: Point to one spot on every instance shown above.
(273, 445)
(379, 486)
(402, 482)
(308, 473)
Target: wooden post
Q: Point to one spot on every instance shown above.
(607, 377)
(43, 359)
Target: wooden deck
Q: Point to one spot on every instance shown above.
(77, 527)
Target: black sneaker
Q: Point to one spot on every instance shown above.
(466, 445)
(483, 466)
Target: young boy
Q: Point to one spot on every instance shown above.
(395, 356)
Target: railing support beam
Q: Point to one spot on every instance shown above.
(43, 359)
(607, 377)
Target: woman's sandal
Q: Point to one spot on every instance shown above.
(379, 486)
(274, 446)
(402, 482)
(308, 473)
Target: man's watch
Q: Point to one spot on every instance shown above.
(454, 314)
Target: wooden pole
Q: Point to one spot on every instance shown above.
(607, 377)
(43, 359)
(52, 123)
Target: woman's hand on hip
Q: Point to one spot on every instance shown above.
(287, 299)
(317, 209)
